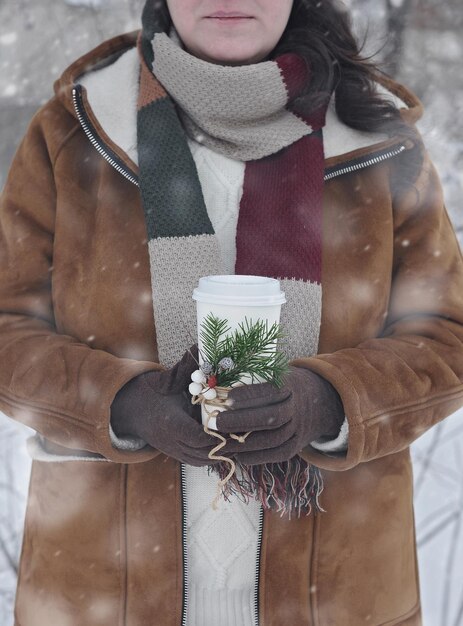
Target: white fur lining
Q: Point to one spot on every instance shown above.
(112, 92)
(334, 445)
(130, 442)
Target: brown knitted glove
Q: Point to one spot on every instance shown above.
(285, 419)
(156, 406)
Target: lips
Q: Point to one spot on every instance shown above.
(229, 15)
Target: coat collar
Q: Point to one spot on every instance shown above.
(108, 79)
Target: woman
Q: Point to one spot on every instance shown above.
(207, 143)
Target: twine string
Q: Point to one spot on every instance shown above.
(219, 400)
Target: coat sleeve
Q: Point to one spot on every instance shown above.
(51, 382)
(396, 386)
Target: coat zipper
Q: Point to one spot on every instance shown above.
(184, 545)
(185, 555)
(92, 135)
(257, 575)
(361, 164)
(120, 166)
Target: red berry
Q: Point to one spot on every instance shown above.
(212, 381)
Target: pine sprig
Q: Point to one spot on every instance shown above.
(212, 329)
(252, 349)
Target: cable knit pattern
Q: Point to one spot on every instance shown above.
(222, 184)
(222, 554)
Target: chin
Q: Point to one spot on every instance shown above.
(228, 58)
(224, 50)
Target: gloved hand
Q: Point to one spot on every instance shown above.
(286, 420)
(156, 406)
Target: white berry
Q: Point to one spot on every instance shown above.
(195, 388)
(198, 376)
(210, 394)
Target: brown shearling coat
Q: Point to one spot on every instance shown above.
(103, 539)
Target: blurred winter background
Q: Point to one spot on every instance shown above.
(422, 45)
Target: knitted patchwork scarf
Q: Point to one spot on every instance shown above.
(249, 113)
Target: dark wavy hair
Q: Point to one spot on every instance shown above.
(321, 32)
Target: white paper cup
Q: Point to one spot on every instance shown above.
(238, 298)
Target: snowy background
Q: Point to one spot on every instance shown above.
(421, 43)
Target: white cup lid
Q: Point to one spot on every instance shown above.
(239, 290)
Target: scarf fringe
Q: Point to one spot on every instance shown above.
(289, 486)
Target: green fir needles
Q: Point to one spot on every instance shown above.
(251, 350)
